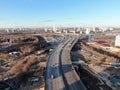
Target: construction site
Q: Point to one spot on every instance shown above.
(98, 62)
(23, 58)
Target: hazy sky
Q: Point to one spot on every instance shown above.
(59, 12)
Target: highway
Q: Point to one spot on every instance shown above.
(60, 74)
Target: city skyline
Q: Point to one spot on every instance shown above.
(42, 13)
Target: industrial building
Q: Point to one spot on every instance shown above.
(117, 41)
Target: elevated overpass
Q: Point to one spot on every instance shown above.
(60, 74)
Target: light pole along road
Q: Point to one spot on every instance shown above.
(60, 74)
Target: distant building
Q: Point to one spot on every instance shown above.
(72, 31)
(81, 32)
(46, 29)
(87, 31)
(58, 31)
(117, 41)
(65, 31)
(54, 29)
(111, 28)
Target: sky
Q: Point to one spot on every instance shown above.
(42, 13)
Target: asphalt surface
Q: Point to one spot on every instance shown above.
(60, 74)
(73, 80)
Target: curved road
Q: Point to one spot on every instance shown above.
(60, 74)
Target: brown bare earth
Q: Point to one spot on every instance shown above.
(108, 40)
(21, 67)
(15, 67)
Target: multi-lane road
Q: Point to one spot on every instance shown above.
(60, 74)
